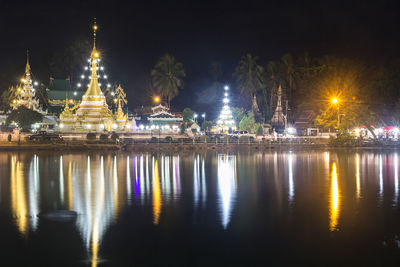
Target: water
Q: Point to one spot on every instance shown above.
(247, 209)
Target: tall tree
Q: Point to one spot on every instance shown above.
(289, 74)
(351, 84)
(24, 117)
(250, 77)
(167, 77)
(66, 62)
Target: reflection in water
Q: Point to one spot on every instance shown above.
(18, 196)
(157, 204)
(94, 202)
(176, 176)
(137, 188)
(380, 178)
(291, 185)
(61, 171)
(95, 188)
(335, 200)
(199, 181)
(396, 180)
(70, 192)
(34, 192)
(227, 186)
(358, 186)
(25, 210)
(128, 179)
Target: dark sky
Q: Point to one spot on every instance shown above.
(133, 35)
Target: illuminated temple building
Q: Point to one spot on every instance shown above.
(25, 93)
(58, 91)
(92, 113)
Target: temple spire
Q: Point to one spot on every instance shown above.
(94, 88)
(94, 33)
(278, 119)
(28, 66)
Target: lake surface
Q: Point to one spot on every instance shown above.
(247, 209)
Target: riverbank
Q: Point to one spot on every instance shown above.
(142, 147)
(14, 146)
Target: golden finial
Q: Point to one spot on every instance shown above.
(94, 32)
(28, 67)
(95, 53)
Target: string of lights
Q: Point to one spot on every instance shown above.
(101, 76)
(225, 119)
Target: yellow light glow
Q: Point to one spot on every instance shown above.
(358, 183)
(157, 204)
(18, 196)
(95, 27)
(335, 100)
(156, 99)
(334, 200)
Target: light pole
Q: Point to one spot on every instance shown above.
(336, 102)
(195, 117)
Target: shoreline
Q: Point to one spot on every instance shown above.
(84, 146)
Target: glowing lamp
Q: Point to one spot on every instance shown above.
(291, 130)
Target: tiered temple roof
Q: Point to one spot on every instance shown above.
(25, 95)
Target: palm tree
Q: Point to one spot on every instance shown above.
(250, 76)
(272, 81)
(166, 77)
(289, 71)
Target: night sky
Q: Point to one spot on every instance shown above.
(134, 35)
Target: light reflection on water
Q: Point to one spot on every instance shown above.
(101, 187)
(335, 199)
(227, 186)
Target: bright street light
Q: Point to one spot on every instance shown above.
(334, 100)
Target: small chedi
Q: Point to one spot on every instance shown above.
(93, 113)
(278, 119)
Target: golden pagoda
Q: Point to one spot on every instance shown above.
(67, 117)
(93, 113)
(120, 117)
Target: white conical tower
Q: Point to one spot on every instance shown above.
(225, 120)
